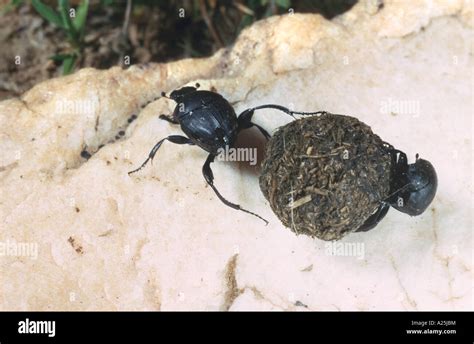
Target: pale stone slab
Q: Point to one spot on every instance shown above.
(162, 240)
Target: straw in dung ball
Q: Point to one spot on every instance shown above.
(325, 175)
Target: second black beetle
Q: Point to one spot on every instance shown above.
(210, 122)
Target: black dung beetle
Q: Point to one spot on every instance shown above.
(210, 122)
(412, 188)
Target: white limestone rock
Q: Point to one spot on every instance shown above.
(162, 240)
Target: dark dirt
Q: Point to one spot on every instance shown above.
(34, 66)
(25, 34)
(154, 32)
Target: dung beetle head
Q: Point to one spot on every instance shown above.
(414, 185)
(178, 95)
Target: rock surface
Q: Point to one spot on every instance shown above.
(162, 240)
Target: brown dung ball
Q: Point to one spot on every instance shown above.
(325, 175)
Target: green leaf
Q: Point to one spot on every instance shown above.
(47, 13)
(59, 57)
(246, 21)
(68, 64)
(66, 20)
(283, 3)
(64, 7)
(81, 14)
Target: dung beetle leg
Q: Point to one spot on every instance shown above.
(177, 139)
(209, 177)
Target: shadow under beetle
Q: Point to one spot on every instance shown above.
(210, 122)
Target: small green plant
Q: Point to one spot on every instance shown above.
(73, 23)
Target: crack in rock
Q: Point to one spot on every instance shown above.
(233, 290)
(405, 292)
(445, 260)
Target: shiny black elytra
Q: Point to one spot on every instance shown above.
(412, 188)
(210, 122)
